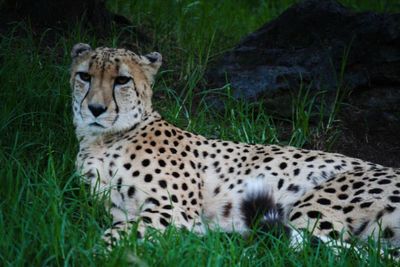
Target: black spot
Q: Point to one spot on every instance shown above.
(375, 191)
(357, 185)
(344, 187)
(216, 191)
(295, 216)
(308, 198)
(148, 178)
(283, 165)
(359, 192)
(356, 200)
(343, 196)
(127, 166)
(342, 179)
(293, 188)
(347, 209)
(161, 163)
(389, 208)
(131, 191)
(267, 159)
(296, 203)
(330, 190)
(365, 204)
(184, 187)
(361, 229)
(324, 201)
(175, 174)
(164, 222)
(174, 199)
(184, 216)
(384, 181)
(167, 133)
(165, 215)
(133, 156)
(227, 209)
(153, 200)
(387, 233)
(119, 184)
(297, 156)
(135, 173)
(280, 183)
(146, 163)
(157, 133)
(296, 172)
(313, 214)
(147, 219)
(338, 167)
(310, 159)
(325, 225)
(394, 199)
(162, 183)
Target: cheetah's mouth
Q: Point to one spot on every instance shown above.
(95, 124)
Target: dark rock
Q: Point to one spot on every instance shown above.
(309, 43)
(321, 45)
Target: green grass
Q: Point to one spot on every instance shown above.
(47, 217)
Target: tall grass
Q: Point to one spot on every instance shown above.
(47, 217)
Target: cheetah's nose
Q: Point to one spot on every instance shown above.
(97, 109)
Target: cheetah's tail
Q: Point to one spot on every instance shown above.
(260, 212)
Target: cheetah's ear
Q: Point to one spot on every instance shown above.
(80, 49)
(151, 63)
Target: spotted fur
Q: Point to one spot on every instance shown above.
(157, 174)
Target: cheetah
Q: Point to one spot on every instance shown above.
(156, 174)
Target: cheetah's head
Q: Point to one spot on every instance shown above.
(111, 88)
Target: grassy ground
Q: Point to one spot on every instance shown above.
(47, 217)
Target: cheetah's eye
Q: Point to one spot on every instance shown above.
(120, 80)
(84, 76)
